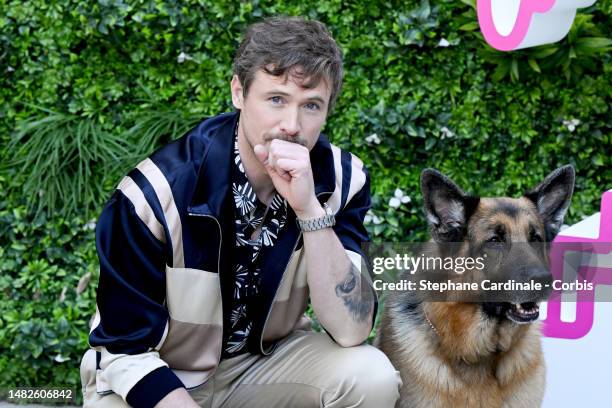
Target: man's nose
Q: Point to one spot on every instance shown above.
(290, 125)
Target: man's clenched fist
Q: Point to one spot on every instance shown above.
(288, 165)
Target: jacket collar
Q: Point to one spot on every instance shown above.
(214, 177)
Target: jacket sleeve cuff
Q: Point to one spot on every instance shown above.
(153, 387)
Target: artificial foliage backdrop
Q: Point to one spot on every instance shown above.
(89, 88)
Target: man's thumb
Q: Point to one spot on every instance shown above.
(262, 153)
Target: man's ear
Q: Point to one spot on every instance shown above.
(552, 198)
(447, 207)
(237, 93)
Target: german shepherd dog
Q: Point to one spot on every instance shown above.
(477, 354)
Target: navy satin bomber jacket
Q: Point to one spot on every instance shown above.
(165, 240)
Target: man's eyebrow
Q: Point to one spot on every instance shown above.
(277, 92)
(317, 99)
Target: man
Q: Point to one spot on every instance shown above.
(210, 248)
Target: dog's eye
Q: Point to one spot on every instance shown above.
(535, 237)
(494, 239)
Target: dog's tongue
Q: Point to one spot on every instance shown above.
(522, 313)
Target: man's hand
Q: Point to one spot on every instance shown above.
(288, 165)
(178, 398)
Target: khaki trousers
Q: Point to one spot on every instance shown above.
(307, 369)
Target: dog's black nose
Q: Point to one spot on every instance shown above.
(539, 275)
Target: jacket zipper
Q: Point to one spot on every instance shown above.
(219, 274)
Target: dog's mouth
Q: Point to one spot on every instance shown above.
(523, 312)
(520, 313)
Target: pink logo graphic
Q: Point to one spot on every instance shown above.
(598, 275)
(513, 24)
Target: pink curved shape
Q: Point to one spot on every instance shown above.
(585, 306)
(507, 43)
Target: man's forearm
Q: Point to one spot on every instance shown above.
(341, 297)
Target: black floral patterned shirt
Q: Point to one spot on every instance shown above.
(250, 214)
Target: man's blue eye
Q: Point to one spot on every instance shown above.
(276, 99)
(312, 106)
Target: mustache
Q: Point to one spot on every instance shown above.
(291, 139)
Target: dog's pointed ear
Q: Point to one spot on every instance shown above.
(552, 198)
(447, 207)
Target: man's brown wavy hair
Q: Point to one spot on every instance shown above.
(290, 46)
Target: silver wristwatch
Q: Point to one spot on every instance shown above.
(314, 224)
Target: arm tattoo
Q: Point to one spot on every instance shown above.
(359, 303)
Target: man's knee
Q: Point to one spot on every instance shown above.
(91, 398)
(365, 376)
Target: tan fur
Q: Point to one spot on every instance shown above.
(472, 360)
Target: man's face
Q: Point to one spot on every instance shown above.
(279, 108)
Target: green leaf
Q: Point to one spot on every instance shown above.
(471, 3)
(598, 161)
(410, 129)
(470, 26)
(534, 65)
(543, 52)
(424, 11)
(514, 72)
(430, 143)
(597, 43)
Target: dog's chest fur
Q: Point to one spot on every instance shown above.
(486, 365)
